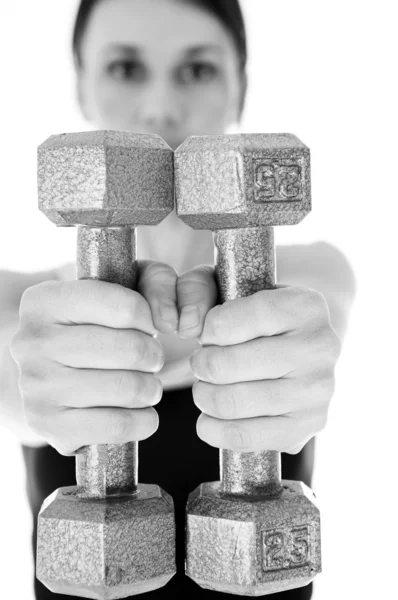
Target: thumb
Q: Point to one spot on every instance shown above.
(196, 295)
(157, 284)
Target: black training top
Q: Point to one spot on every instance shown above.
(174, 458)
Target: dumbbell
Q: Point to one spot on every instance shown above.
(250, 533)
(107, 537)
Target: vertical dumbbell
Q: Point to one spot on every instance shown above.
(107, 537)
(251, 533)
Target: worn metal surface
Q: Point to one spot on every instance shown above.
(109, 548)
(240, 186)
(107, 537)
(242, 180)
(105, 178)
(253, 546)
(108, 254)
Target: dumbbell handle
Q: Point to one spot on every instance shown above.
(245, 264)
(108, 254)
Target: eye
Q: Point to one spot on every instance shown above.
(201, 72)
(126, 70)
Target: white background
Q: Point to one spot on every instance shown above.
(322, 70)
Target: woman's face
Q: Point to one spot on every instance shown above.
(159, 66)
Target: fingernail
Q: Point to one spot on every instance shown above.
(169, 315)
(189, 317)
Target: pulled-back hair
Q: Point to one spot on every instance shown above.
(227, 11)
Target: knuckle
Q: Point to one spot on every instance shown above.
(316, 300)
(17, 344)
(32, 419)
(237, 438)
(322, 385)
(319, 421)
(312, 422)
(329, 344)
(336, 345)
(159, 270)
(37, 416)
(133, 388)
(259, 301)
(123, 304)
(193, 283)
(31, 295)
(138, 350)
(219, 320)
(30, 341)
(130, 344)
(323, 421)
(309, 302)
(20, 343)
(224, 403)
(30, 382)
(42, 294)
(127, 386)
(212, 363)
(118, 425)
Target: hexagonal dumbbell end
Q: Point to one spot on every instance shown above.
(105, 178)
(253, 547)
(242, 180)
(109, 548)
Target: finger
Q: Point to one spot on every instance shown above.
(274, 397)
(263, 358)
(94, 347)
(89, 301)
(85, 427)
(265, 313)
(97, 388)
(157, 283)
(262, 434)
(196, 295)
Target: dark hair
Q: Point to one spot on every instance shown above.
(227, 11)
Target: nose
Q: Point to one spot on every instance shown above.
(161, 111)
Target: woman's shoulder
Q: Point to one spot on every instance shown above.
(320, 256)
(318, 259)
(13, 283)
(318, 249)
(66, 271)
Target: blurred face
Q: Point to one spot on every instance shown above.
(159, 66)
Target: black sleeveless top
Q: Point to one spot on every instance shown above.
(189, 462)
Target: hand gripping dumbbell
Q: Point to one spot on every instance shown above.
(251, 533)
(107, 537)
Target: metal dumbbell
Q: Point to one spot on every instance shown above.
(251, 533)
(109, 536)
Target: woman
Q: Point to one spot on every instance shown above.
(175, 68)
